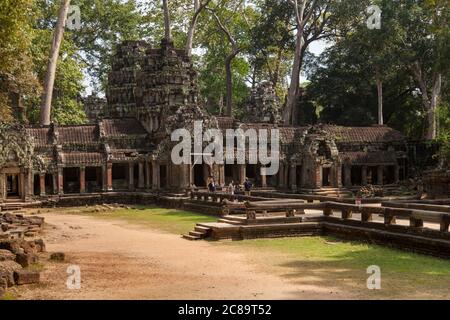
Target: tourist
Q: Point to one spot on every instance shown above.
(247, 186)
(230, 188)
(212, 186)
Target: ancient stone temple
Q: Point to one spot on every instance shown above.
(127, 146)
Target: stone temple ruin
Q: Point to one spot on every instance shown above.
(153, 91)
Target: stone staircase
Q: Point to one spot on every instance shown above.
(200, 232)
(11, 206)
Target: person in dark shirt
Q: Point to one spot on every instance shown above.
(247, 186)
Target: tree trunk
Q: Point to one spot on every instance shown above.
(229, 84)
(429, 103)
(380, 101)
(190, 35)
(46, 103)
(431, 130)
(167, 32)
(295, 80)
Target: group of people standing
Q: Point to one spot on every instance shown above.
(232, 188)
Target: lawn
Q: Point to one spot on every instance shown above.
(170, 220)
(328, 261)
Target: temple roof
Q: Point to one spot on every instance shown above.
(365, 134)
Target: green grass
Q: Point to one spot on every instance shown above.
(330, 261)
(170, 220)
(8, 296)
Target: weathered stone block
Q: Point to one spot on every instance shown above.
(7, 269)
(26, 277)
(6, 255)
(25, 259)
(58, 256)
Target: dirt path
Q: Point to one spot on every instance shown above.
(123, 261)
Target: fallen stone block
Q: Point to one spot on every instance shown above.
(26, 259)
(7, 269)
(40, 245)
(6, 255)
(26, 277)
(58, 256)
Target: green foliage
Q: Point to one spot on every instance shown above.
(16, 72)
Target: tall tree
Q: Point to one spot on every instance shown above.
(46, 104)
(199, 6)
(302, 15)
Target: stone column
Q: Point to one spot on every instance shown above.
(55, 182)
(2, 186)
(348, 176)
(221, 174)
(263, 177)
(338, 176)
(293, 177)
(109, 180)
(82, 179)
(364, 175)
(396, 173)
(380, 175)
(281, 176)
(141, 181)
(131, 176)
(42, 184)
(242, 173)
(30, 183)
(155, 178)
(60, 180)
(185, 176)
(148, 183)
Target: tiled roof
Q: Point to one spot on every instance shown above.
(225, 122)
(365, 134)
(77, 134)
(85, 158)
(121, 127)
(40, 136)
(379, 157)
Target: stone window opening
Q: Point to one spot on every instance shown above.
(356, 176)
(94, 179)
(120, 176)
(71, 178)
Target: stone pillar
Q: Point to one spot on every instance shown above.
(155, 178)
(380, 175)
(82, 179)
(131, 176)
(293, 177)
(221, 174)
(396, 173)
(185, 176)
(109, 180)
(2, 186)
(348, 176)
(141, 179)
(364, 175)
(42, 184)
(60, 180)
(30, 183)
(281, 176)
(242, 173)
(338, 176)
(263, 177)
(55, 182)
(148, 183)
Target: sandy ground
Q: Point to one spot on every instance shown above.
(123, 261)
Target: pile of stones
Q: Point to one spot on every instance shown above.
(370, 191)
(16, 253)
(16, 226)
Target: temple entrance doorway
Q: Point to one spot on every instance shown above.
(12, 186)
(326, 177)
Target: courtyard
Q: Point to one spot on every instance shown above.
(138, 253)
